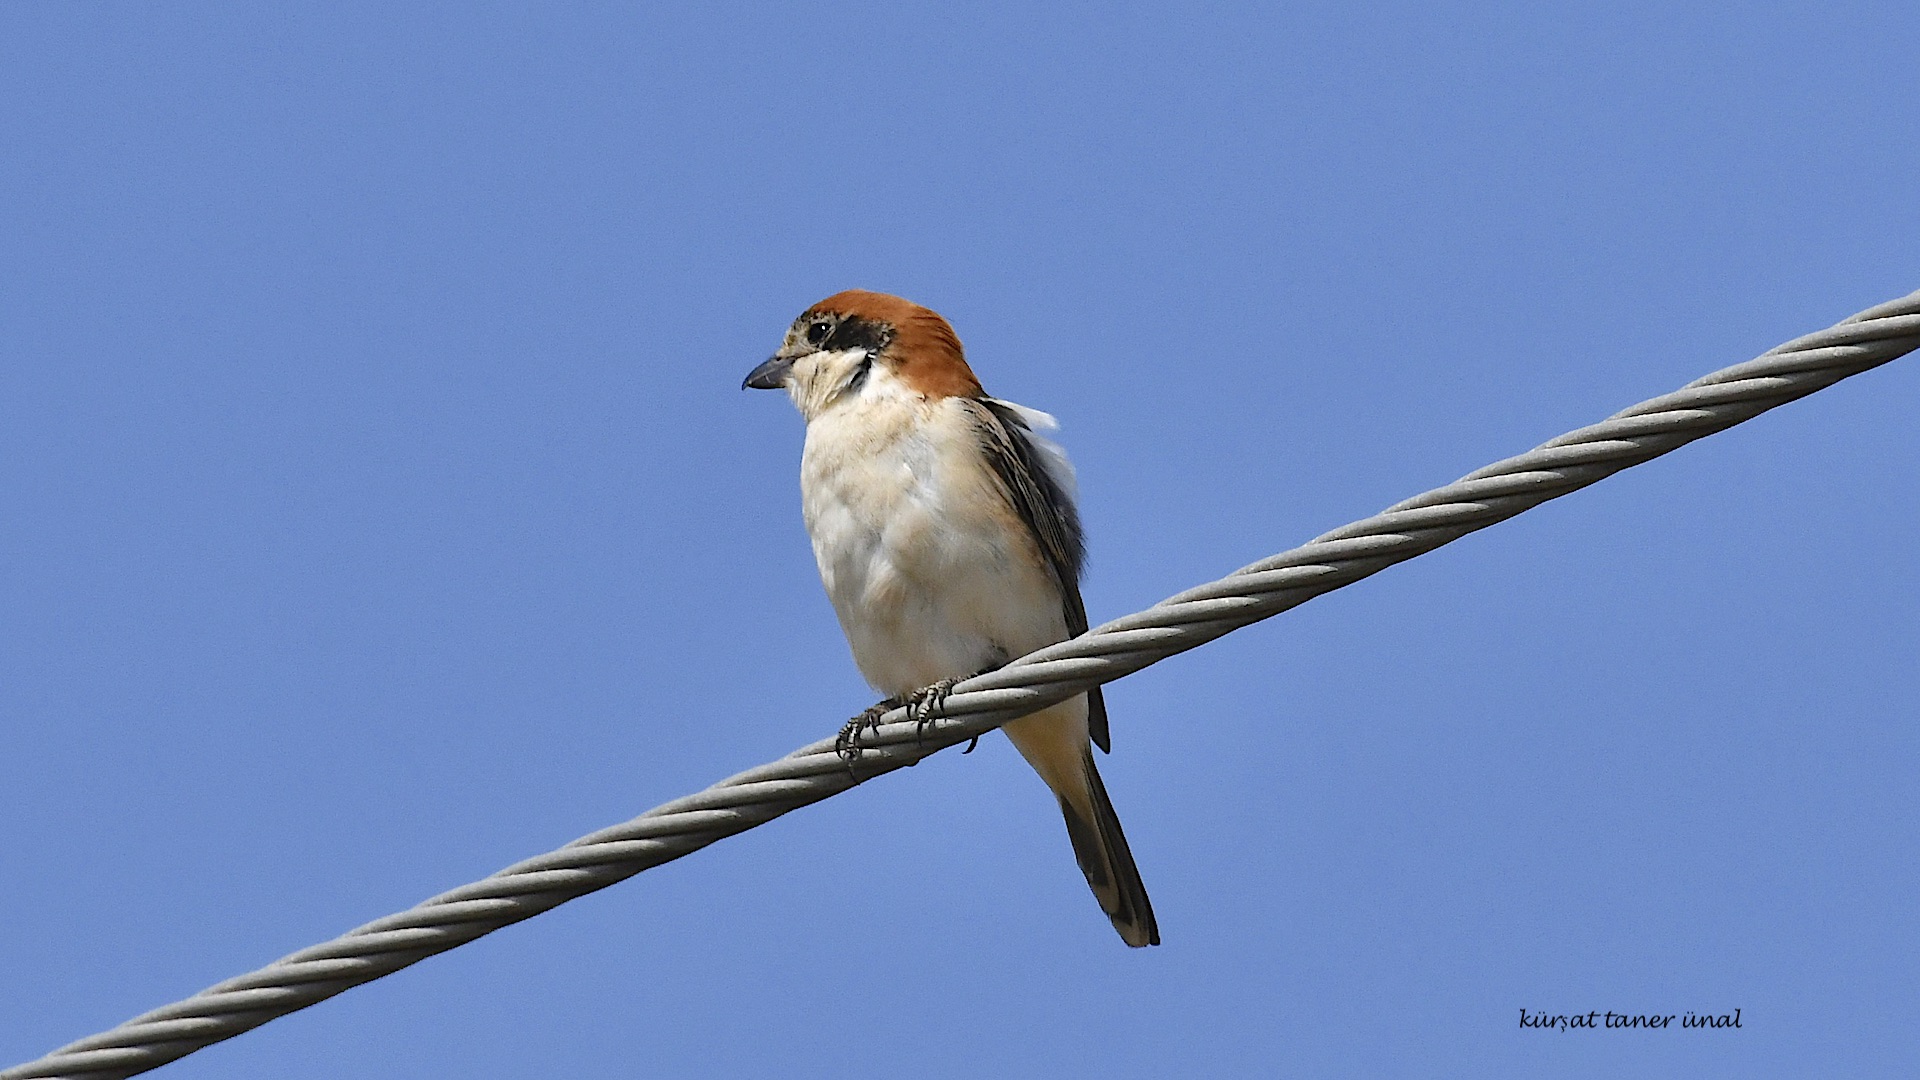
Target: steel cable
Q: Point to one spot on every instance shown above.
(1192, 618)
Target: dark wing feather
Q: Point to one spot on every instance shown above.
(1049, 514)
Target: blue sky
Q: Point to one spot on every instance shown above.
(378, 506)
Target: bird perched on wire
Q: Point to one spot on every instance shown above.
(947, 537)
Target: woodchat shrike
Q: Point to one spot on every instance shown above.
(948, 540)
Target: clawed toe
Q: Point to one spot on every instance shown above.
(848, 744)
(924, 704)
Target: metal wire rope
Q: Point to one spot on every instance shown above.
(1192, 618)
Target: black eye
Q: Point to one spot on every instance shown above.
(817, 332)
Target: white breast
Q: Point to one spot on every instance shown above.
(930, 571)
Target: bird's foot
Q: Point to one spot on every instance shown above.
(849, 742)
(923, 708)
(923, 704)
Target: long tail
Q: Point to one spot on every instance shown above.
(1102, 850)
(1055, 741)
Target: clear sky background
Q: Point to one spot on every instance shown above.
(379, 506)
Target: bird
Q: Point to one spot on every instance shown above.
(945, 528)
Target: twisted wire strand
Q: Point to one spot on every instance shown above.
(815, 772)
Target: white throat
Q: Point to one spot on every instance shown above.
(825, 381)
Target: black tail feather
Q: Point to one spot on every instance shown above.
(1101, 849)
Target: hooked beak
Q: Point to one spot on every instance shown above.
(771, 375)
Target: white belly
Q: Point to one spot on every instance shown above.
(931, 573)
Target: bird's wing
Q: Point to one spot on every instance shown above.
(1039, 485)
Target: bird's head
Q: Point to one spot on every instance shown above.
(858, 343)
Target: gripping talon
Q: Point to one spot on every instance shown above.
(848, 744)
(927, 701)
